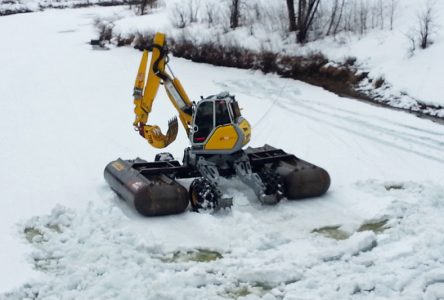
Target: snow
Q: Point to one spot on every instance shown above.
(410, 77)
(133, 24)
(386, 54)
(8, 7)
(66, 111)
(102, 252)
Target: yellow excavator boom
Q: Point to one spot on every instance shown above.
(145, 92)
(217, 132)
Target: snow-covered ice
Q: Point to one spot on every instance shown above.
(66, 111)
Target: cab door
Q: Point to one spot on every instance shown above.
(203, 121)
(222, 113)
(225, 136)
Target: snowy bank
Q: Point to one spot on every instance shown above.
(374, 67)
(10, 7)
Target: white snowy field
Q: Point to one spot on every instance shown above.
(66, 111)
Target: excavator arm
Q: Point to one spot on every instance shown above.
(218, 136)
(145, 91)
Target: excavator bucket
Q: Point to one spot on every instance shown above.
(153, 134)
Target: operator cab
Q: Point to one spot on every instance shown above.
(218, 126)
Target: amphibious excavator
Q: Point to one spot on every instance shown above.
(217, 132)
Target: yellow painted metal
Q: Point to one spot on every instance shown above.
(145, 92)
(144, 95)
(153, 82)
(246, 129)
(154, 136)
(118, 166)
(140, 79)
(141, 115)
(178, 85)
(223, 138)
(184, 117)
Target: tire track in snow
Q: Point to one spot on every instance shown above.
(437, 144)
(368, 136)
(357, 127)
(396, 134)
(295, 99)
(375, 117)
(294, 94)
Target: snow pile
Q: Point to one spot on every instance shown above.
(94, 254)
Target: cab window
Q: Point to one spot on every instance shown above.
(222, 114)
(235, 109)
(204, 121)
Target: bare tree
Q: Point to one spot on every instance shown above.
(142, 7)
(144, 4)
(334, 12)
(363, 16)
(235, 13)
(291, 16)
(422, 34)
(186, 12)
(393, 7)
(178, 16)
(210, 12)
(427, 24)
(193, 10)
(339, 19)
(306, 12)
(381, 14)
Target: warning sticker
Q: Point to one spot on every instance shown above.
(118, 166)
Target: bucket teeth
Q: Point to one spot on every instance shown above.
(173, 128)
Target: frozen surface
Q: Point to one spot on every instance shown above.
(66, 111)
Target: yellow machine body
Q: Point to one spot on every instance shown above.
(226, 136)
(145, 91)
(223, 138)
(246, 129)
(217, 132)
(218, 127)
